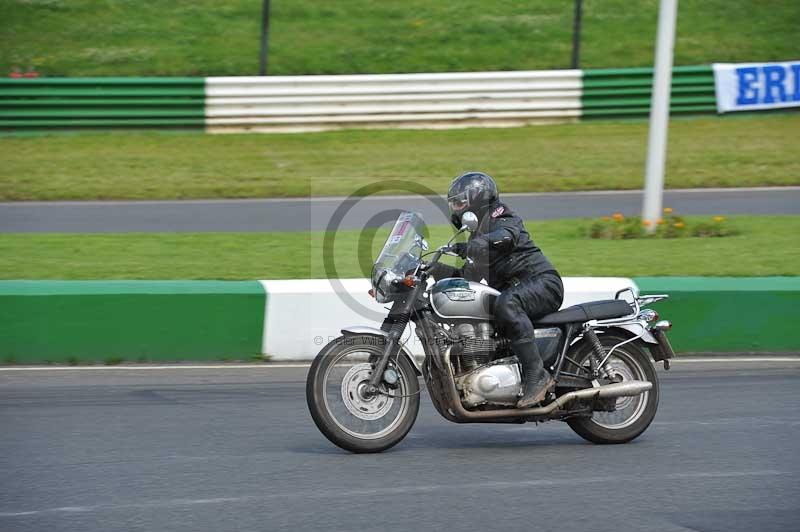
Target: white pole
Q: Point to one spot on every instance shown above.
(659, 114)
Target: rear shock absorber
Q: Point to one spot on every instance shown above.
(598, 353)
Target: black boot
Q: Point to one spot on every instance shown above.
(536, 380)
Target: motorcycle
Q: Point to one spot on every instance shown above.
(363, 388)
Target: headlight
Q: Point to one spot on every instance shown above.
(383, 286)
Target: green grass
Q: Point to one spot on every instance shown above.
(703, 152)
(767, 245)
(206, 37)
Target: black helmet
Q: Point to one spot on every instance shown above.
(473, 192)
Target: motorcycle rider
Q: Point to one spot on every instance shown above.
(501, 251)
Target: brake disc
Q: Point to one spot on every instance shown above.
(357, 402)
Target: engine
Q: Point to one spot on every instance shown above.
(480, 377)
(486, 370)
(475, 345)
(499, 383)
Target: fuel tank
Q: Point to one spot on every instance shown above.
(455, 297)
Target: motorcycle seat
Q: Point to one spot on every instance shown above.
(594, 310)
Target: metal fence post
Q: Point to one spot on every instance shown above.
(576, 34)
(262, 66)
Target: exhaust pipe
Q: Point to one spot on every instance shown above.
(621, 389)
(608, 391)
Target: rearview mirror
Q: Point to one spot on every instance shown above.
(421, 242)
(470, 221)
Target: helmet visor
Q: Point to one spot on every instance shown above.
(458, 203)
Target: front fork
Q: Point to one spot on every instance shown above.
(390, 349)
(394, 324)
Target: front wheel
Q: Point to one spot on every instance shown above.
(336, 391)
(632, 415)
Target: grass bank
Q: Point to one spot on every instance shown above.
(206, 37)
(767, 246)
(703, 152)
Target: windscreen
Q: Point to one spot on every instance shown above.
(402, 249)
(400, 253)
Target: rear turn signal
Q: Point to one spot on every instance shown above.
(649, 315)
(409, 281)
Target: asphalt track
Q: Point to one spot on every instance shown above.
(235, 449)
(316, 214)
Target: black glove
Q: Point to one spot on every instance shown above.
(440, 271)
(474, 249)
(478, 248)
(460, 249)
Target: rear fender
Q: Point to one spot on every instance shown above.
(362, 330)
(635, 330)
(652, 344)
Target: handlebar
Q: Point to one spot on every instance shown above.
(443, 250)
(438, 255)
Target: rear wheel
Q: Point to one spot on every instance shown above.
(632, 415)
(342, 408)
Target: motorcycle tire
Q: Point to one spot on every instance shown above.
(634, 361)
(338, 410)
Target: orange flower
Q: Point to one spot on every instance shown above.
(680, 225)
(660, 221)
(647, 223)
(719, 219)
(668, 210)
(605, 218)
(618, 216)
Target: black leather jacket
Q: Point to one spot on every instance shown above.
(507, 251)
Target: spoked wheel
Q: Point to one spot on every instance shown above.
(632, 415)
(343, 408)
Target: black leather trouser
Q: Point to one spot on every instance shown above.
(525, 300)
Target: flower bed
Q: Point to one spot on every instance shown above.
(619, 227)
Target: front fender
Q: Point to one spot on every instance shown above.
(363, 330)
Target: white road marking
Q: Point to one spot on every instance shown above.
(153, 368)
(401, 490)
(391, 197)
(709, 360)
(750, 421)
(712, 360)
